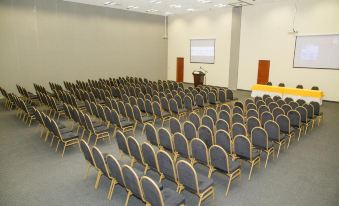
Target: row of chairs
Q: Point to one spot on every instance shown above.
(299, 86)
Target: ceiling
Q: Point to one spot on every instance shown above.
(169, 7)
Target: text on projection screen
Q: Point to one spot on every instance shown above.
(317, 51)
(202, 51)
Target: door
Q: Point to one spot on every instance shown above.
(180, 69)
(263, 71)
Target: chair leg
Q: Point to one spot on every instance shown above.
(97, 180)
(289, 140)
(63, 151)
(56, 149)
(87, 170)
(249, 176)
(128, 196)
(278, 150)
(229, 183)
(111, 189)
(267, 156)
(210, 171)
(200, 200)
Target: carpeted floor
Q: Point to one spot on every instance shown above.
(32, 173)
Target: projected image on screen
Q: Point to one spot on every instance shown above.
(317, 51)
(202, 51)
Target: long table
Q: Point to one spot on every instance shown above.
(305, 94)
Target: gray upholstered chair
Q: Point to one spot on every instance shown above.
(181, 145)
(220, 161)
(122, 143)
(114, 169)
(259, 139)
(165, 140)
(132, 183)
(195, 119)
(175, 125)
(285, 127)
(252, 122)
(166, 167)
(206, 135)
(151, 134)
(135, 151)
(150, 160)
(86, 151)
(101, 166)
(222, 125)
(190, 130)
(199, 152)
(238, 129)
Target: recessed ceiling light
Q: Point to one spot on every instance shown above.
(155, 2)
(108, 2)
(190, 9)
(176, 6)
(132, 7)
(168, 13)
(152, 10)
(204, 1)
(220, 5)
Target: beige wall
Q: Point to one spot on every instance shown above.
(264, 35)
(214, 24)
(53, 40)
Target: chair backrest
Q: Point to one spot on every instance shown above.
(164, 104)
(122, 142)
(222, 96)
(252, 113)
(122, 109)
(152, 193)
(165, 139)
(238, 118)
(148, 154)
(301, 102)
(151, 134)
(206, 135)
(166, 165)
(213, 114)
(134, 149)
(195, 119)
(89, 123)
(208, 122)
(316, 108)
(310, 110)
(229, 94)
(137, 114)
(94, 109)
(259, 137)
(99, 161)
(219, 158)
(280, 102)
(273, 130)
(212, 99)
(293, 104)
(315, 88)
(242, 147)
(178, 99)
(223, 139)
(156, 109)
(238, 129)
(199, 151)
(175, 125)
(86, 151)
(286, 108)
(272, 106)
(281, 85)
(187, 176)
(284, 123)
(131, 181)
(303, 113)
(277, 111)
(114, 169)
(222, 124)
(181, 145)
(225, 107)
(225, 116)
(199, 99)
(299, 86)
(295, 118)
(237, 110)
(190, 130)
(252, 122)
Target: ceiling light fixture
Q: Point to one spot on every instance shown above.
(204, 1)
(190, 9)
(152, 10)
(220, 5)
(132, 7)
(176, 6)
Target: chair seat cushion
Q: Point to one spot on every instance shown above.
(70, 135)
(182, 110)
(141, 173)
(172, 198)
(126, 123)
(65, 130)
(204, 183)
(101, 129)
(146, 118)
(80, 104)
(234, 165)
(165, 114)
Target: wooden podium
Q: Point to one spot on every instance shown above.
(198, 78)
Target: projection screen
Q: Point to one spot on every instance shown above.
(317, 52)
(202, 51)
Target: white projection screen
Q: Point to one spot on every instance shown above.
(317, 52)
(202, 51)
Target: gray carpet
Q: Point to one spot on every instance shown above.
(31, 173)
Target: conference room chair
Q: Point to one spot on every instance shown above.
(141, 105)
(301, 102)
(141, 119)
(67, 138)
(223, 139)
(132, 183)
(189, 180)
(304, 118)
(260, 103)
(222, 125)
(165, 105)
(252, 113)
(281, 85)
(179, 101)
(272, 106)
(181, 145)
(276, 98)
(285, 127)
(102, 114)
(250, 106)
(263, 109)
(293, 104)
(212, 99)
(288, 100)
(225, 107)
(222, 96)
(122, 109)
(238, 118)
(299, 86)
(175, 125)
(259, 139)
(166, 141)
(211, 112)
(280, 102)
(317, 112)
(122, 125)
(277, 111)
(182, 94)
(249, 101)
(94, 110)
(269, 83)
(238, 129)
(273, 133)
(206, 135)
(190, 130)
(239, 105)
(200, 102)
(243, 148)
(189, 104)
(154, 196)
(100, 165)
(122, 144)
(149, 109)
(295, 121)
(315, 88)
(224, 115)
(252, 122)
(115, 172)
(132, 100)
(100, 132)
(222, 162)
(125, 98)
(265, 96)
(310, 113)
(167, 167)
(149, 157)
(286, 108)
(151, 134)
(208, 122)
(135, 151)
(268, 100)
(86, 151)
(162, 115)
(230, 95)
(195, 119)
(257, 98)
(199, 153)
